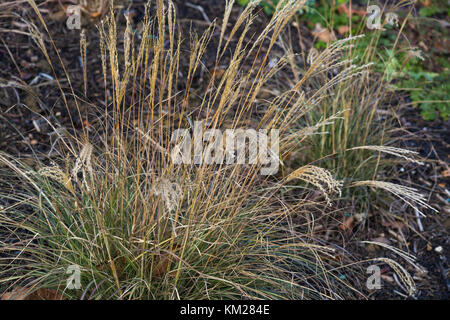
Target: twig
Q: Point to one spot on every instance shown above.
(199, 8)
(419, 223)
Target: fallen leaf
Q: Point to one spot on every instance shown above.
(347, 225)
(21, 293)
(18, 293)
(96, 14)
(45, 294)
(423, 45)
(439, 46)
(343, 29)
(381, 239)
(343, 9)
(398, 236)
(446, 173)
(387, 278)
(218, 73)
(398, 225)
(58, 16)
(393, 224)
(323, 34)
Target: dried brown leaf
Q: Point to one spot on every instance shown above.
(343, 29)
(20, 293)
(323, 34)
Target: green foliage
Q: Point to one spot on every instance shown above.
(427, 89)
(320, 45)
(438, 7)
(323, 13)
(430, 91)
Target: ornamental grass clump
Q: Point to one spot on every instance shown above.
(113, 205)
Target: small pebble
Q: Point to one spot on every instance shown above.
(438, 249)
